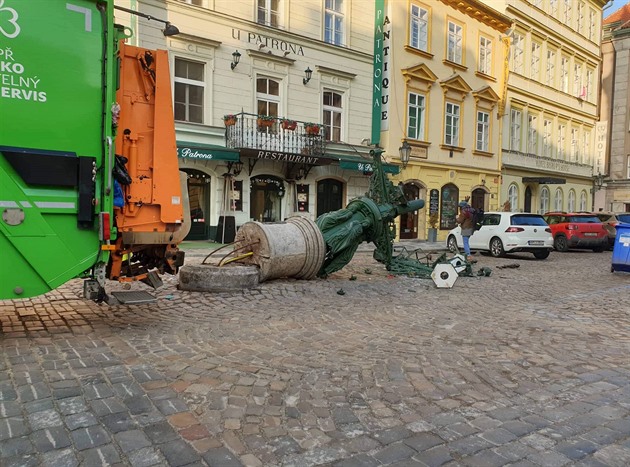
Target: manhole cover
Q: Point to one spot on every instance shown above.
(134, 297)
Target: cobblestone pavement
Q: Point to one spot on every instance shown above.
(530, 366)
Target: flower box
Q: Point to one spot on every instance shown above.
(265, 121)
(289, 125)
(311, 129)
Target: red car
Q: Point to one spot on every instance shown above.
(577, 230)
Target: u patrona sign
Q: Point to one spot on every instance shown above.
(286, 157)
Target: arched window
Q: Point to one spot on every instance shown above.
(544, 200)
(558, 200)
(571, 201)
(583, 201)
(448, 205)
(513, 197)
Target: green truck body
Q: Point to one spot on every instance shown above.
(58, 73)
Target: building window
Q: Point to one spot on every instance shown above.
(513, 197)
(547, 135)
(562, 129)
(592, 26)
(451, 124)
(586, 143)
(571, 201)
(628, 167)
(534, 71)
(515, 129)
(455, 42)
(553, 8)
(558, 200)
(189, 91)
(532, 134)
(485, 56)
(268, 12)
(483, 131)
(550, 74)
(575, 147)
(583, 201)
(564, 74)
(580, 18)
(416, 116)
(193, 2)
(333, 112)
(419, 28)
(518, 53)
(267, 96)
(544, 200)
(567, 12)
(333, 22)
(589, 84)
(578, 91)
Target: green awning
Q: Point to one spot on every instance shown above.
(364, 164)
(206, 152)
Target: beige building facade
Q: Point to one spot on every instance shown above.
(615, 113)
(446, 85)
(296, 75)
(551, 120)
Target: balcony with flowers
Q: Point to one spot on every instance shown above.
(270, 133)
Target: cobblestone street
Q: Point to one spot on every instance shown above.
(527, 367)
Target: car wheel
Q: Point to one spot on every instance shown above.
(541, 254)
(451, 244)
(561, 243)
(496, 247)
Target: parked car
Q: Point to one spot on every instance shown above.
(610, 221)
(507, 232)
(577, 230)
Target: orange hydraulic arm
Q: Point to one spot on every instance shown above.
(151, 222)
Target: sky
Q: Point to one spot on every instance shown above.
(616, 5)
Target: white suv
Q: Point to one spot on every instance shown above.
(507, 232)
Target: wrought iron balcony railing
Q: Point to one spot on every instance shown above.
(266, 133)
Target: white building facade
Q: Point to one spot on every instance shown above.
(276, 67)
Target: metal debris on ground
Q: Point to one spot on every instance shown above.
(509, 266)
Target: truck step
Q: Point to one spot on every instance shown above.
(134, 297)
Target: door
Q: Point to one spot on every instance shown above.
(409, 220)
(199, 197)
(266, 198)
(478, 199)
(528, 199)
(329, 196)
(481, 238)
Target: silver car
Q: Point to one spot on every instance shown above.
(507, 232)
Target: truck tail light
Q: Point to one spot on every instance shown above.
(104, 232)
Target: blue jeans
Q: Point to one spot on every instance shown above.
(467, 245)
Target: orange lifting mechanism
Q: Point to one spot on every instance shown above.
(151, 223)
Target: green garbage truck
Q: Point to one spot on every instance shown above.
(71, 139)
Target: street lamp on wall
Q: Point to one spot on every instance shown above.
(308, 73)
(405, 152)
(598, 181)
(236, 57)
(169, 29)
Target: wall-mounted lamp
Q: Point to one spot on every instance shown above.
(598, 181)
(169, 29)
(236, 57)
(308, 73)
(234, 168)
(405, 152)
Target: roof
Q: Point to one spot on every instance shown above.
(622, 14)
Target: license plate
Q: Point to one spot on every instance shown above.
(590, 234)
(536, 242)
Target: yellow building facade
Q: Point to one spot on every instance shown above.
(443, 94)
